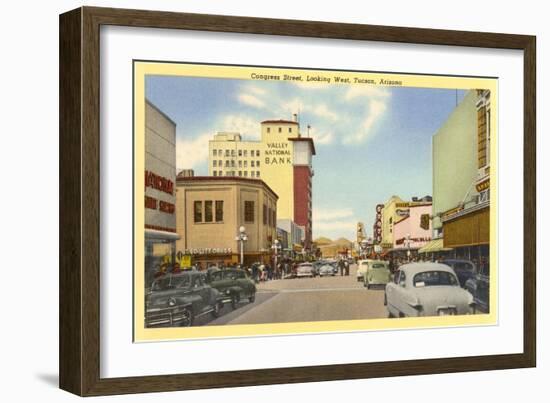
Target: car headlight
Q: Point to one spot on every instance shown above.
(171, 301)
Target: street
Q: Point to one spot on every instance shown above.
(306, 300)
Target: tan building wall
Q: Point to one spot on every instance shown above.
(220, 234)
(271, 159)
(390, 216)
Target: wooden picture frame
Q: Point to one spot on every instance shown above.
(79, 346)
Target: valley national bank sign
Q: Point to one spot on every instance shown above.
(277, 154)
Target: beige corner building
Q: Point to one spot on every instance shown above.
(282, 158)
(211, 209)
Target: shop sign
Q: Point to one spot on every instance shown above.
(206, 251)
(158, 182)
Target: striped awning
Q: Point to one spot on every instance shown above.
(435, 245)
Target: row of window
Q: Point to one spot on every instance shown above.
(280, 129)
(212, 211)
(233, 153)
(244, 174)
(208, 211)
(231, 163)
(269, 216)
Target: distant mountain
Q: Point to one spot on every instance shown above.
(322, 241)
(342, 242)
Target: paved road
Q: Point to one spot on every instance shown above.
(307, 299)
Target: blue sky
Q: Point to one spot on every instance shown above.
(372, 142)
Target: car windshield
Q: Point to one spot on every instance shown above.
(161, 284)
(364, 263)
(432, 278)
(378, 266)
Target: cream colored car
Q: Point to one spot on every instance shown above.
(427, 289)
(362, 267)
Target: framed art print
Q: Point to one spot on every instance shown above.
(232, 185)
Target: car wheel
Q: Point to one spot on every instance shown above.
(390, 315)
(216, 310)
(234, 301)
(188, 317)
(252, 298)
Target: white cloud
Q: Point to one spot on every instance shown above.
(190, 153)
(323, 111)
(334, 222)
(248, 127)
(251, 100)
(321, 137)
(256, 90)
(330, 214)
(375, 111)
(295, 105)
(369, 91)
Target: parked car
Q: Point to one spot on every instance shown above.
(326, 269)
(177, 299)
(305, 270)
(377, 274)
(478, 286)
(464, 269)
(426, 289)
(234, 285)
(362, 266)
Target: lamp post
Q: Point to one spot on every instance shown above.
(241, 238)
(408, 242)
(276, 246)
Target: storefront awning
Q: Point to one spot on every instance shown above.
(165, 235)
(435, 245)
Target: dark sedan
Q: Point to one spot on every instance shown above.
(177, 299)
(234, 285)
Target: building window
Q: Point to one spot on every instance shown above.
(482, 137)
(215, 163)
(245, 153)
(240, 173)
(258, 163)
(220, 173)
(245, 174)
(274, 212)
(290, 129)
(227, 153)
(252, 164)
(249, 211)
(197, 211)
(233, 163)
(257, 153)
(215, 153)
(219, 210)
(265, 215)
(270, 216)
(208, 213)
(269, 129)
(240, 164)
(226, 163)
(240, 153)
(215, 173)
(257, 174)
(252, 174)
(220, 163)
(280, 129)
(246, 164)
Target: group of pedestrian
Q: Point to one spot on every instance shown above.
(343, 266)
